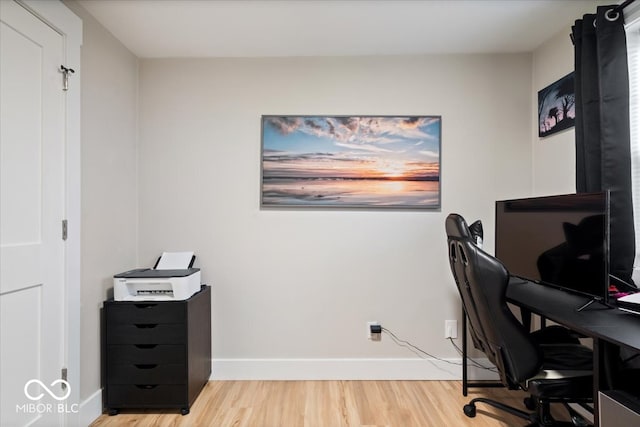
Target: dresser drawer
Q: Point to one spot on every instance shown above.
(146, 395)
(146, 312)
(157, 354)
(146, 333)
(146, 353)
(147, 373)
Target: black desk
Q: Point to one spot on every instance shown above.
(609, 327)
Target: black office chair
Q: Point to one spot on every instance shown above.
(550, 372)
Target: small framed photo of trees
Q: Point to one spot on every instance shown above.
(557, 106)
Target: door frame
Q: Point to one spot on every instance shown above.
(65, 22)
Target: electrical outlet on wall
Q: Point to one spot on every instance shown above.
(373, 336)
(451, 329)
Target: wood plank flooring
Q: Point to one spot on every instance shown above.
(330, 404)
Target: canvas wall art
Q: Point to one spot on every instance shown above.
(557, 106)
(351, 162)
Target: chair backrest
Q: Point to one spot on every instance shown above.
(482, 282)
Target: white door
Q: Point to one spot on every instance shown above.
(32, 166)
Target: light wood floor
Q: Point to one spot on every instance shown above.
(330, 404)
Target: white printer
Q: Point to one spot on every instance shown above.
(172, 279)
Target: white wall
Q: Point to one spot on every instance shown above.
(109, 180)
(554, 163)
(301, 284)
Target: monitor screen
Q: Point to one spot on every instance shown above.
(560, 241)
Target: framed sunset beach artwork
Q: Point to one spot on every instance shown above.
(351, 162)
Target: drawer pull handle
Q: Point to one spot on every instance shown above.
(145, 305)
(146, 346)
(146, 325)
(146, 386)
(145, 366)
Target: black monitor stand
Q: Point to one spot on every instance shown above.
(593, 300)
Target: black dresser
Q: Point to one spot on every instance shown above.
(156, 354)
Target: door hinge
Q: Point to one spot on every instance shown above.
(65, 76)
(63, 375)
(64, 229)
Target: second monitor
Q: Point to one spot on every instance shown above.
(560, 241)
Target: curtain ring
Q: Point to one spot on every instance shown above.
(615, 16)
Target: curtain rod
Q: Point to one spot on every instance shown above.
(623, 5)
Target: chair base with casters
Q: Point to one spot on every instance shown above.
(541, 416)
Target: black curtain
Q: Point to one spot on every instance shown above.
(603, 158)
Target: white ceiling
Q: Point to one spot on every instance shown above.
(259, 28)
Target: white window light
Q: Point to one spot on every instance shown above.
(632, 29)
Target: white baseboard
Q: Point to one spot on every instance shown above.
(346, 369)
(90, 409)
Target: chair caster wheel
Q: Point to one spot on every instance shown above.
(578, 421)
(112, 412)
(184, 411)
(470, 410)
(530, 403)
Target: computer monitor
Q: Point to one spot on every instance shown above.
(560, 241)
